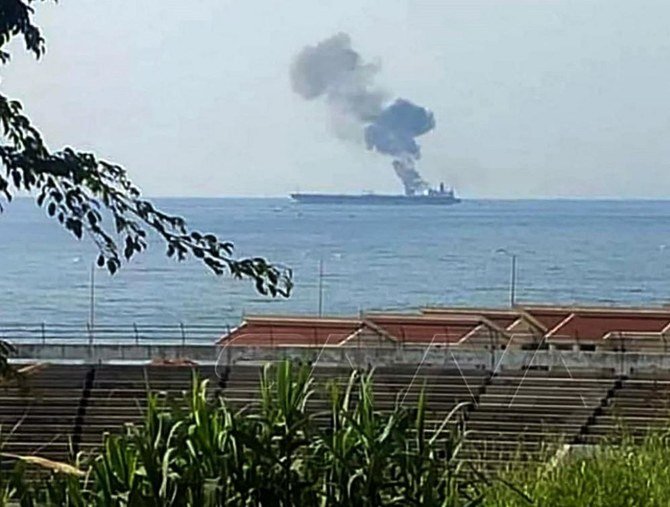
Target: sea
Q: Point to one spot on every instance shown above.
(345, 259)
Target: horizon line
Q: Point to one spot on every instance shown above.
(464, 199)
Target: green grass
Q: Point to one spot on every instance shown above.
(627, 473)
(209, 454)
(203, 452)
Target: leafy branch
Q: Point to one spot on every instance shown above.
(79, 190)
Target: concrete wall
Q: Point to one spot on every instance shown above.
(456, 357)
(498, 360)
(109, 352)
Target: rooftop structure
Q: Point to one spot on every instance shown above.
(593, 328)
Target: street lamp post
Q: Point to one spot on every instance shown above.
(320, 286)
(512, 282)
(91, 314)
(512, 290)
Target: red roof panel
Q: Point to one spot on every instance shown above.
(501, 318)
(549, 318)
(270, 332)
(426, 329)
(595, 327)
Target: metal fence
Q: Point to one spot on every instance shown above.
(137, 334)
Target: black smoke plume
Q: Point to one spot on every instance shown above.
(336, 72)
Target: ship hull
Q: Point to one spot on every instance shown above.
(372, 199)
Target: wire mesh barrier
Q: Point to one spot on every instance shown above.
(620, 352)
(134, 334)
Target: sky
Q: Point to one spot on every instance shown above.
(532, 98)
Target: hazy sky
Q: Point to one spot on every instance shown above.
(533, 98)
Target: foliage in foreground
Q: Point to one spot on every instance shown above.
(277, 454)
(282, 453)
(628, 473)
(7, 371)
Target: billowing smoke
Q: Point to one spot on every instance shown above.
(410, 177)
(334, 71)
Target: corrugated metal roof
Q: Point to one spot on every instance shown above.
(285, 331)
(445, 325)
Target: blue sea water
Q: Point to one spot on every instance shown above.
(599, 252)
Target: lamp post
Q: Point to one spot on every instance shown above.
(91, 314)
(320, 286)
(512, 287)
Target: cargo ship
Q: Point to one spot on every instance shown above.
(417, 191)
(440, 196)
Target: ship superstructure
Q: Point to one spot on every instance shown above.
(439, 196)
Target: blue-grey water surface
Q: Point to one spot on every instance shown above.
(603, 252)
